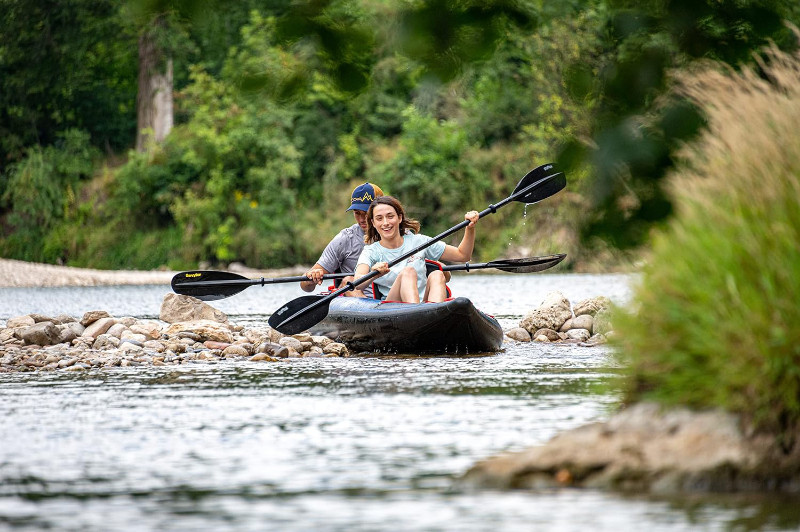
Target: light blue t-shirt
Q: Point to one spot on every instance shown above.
(375, 252)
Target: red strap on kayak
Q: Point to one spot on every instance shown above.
(430, 267)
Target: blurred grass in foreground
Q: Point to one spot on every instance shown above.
(716, 319)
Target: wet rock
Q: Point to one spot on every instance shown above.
(291, 343)
(273, 350)
(178, 308)
(645, 448)
(519, 334)
(42, 333)
(262, 357)
(336, 349)
(320, 341)
(92, 316)
(39, 318)
(551, 314)
(303, 337)
(542, 338)
(235, 351)
(597, 339)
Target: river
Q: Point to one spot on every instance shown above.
(363, 443)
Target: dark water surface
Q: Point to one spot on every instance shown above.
(367, 443)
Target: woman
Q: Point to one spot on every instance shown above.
(390, 234)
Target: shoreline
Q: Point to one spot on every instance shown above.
(20, 274)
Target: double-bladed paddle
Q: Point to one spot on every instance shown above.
(210, 285)
(303, 312)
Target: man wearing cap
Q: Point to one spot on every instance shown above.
(341, 254)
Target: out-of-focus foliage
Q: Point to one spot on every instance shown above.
(716, 315)
(635, 128)
(283, 106)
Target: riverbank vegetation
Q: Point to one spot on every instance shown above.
(280, 109)
(716, 321)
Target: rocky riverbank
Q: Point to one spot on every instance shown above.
(187, 331)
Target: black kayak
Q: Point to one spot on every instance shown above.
(454, 326)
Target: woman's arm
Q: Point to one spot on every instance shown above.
(463, 252)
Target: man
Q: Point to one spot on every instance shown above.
(341, 254)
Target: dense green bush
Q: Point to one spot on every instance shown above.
(40, 189)
(717, 320)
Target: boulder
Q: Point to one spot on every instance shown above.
(178, 308)
(42, 333)
(551, 314)
(151, 329)
(272, 350)
(98, 327)
(336, 348)
(291, 343)
(519, 334)
(584, 321)
(235, 351)
(645, 448)
(602, 322)
(92, 316)
(580, 335)
(592, 306)
(203, 330)
(20, 321)
(550, 334)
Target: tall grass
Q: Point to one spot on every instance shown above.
(717, 315)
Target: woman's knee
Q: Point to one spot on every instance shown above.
(409, 273)
(436, 277)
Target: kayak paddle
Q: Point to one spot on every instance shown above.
(306, 311)
(210, 285)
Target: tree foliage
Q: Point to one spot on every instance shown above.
(282, 107)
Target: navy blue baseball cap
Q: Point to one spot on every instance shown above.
(363, 195)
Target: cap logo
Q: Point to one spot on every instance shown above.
(366, 196)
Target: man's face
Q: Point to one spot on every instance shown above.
(361, 219)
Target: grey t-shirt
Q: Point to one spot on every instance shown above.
(341, 254)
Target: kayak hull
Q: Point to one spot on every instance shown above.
(453, 326)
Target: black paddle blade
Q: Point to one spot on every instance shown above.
(550, 181)
(298, 315)
(528, 265)
(209, 285)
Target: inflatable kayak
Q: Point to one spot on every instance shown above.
(453, 326)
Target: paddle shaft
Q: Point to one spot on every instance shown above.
(492, 208)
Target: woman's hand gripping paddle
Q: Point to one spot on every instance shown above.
(304, 312)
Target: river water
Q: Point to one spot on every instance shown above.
(364, 443)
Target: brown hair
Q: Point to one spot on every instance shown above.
(408, 224)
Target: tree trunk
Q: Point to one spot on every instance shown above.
(154, 97)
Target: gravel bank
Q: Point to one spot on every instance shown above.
(16, 273)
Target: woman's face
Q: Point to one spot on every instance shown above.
(386, 220)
